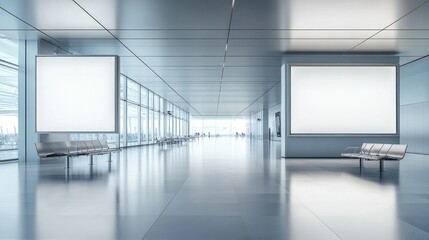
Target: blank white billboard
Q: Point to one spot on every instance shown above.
(343, 99)
(76, 93)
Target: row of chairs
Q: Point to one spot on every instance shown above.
(376, 152)
(170, 140)
(74, 149)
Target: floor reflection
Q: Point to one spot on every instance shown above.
(214, 188)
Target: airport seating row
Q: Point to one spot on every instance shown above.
(376, 152)
(74, 149)
(170, 140)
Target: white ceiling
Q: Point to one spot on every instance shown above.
(177, 48)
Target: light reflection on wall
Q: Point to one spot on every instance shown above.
(66, 15)
(340, 25)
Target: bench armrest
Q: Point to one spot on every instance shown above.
(352, 150)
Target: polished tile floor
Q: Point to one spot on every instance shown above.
(214, 188)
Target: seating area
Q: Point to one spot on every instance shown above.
(75, 148)
(376, 152)
(171, 140)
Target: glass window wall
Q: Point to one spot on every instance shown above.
(8, 99)
(150, 119)
(144, 97)
(150, 100)
(144, 126)
(122, 122)
(156, 126)
(143, 117)
(122, 86)
(133, 92)
(133, 125)
(156, 102)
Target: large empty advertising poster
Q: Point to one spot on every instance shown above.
(76, 94)
(343, 99)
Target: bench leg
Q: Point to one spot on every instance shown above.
(110, 157)
(91, 160)
(361, 163)
(67, 161)
(381, 166)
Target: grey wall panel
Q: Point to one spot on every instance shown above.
(414, 108)
(26, 110)
(328, 145)
(415, 127)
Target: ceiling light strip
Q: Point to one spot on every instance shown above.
(135, 55)
(224, 56)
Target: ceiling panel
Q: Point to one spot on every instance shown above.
(48, 14)
(9, 22)
(265, 101)
(253, 61)
(249, 79)
(88, 34)
(403, 34)
(252, 72)
(185, 61)
(172, 42)
(189, 71)
(186, 33)
(178, 51)
(417, 20)
(284, 34)
(191, 79)
(76, 43)
(184, 41)
(405, 47)
(316, 14)
(197, 88)
(103, 50)
(177, 71)
(160, 14)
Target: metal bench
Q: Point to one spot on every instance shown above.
(75, 148)
(376, 152)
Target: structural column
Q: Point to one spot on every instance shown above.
(265, 125)
(28, 49)
(283, 110)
